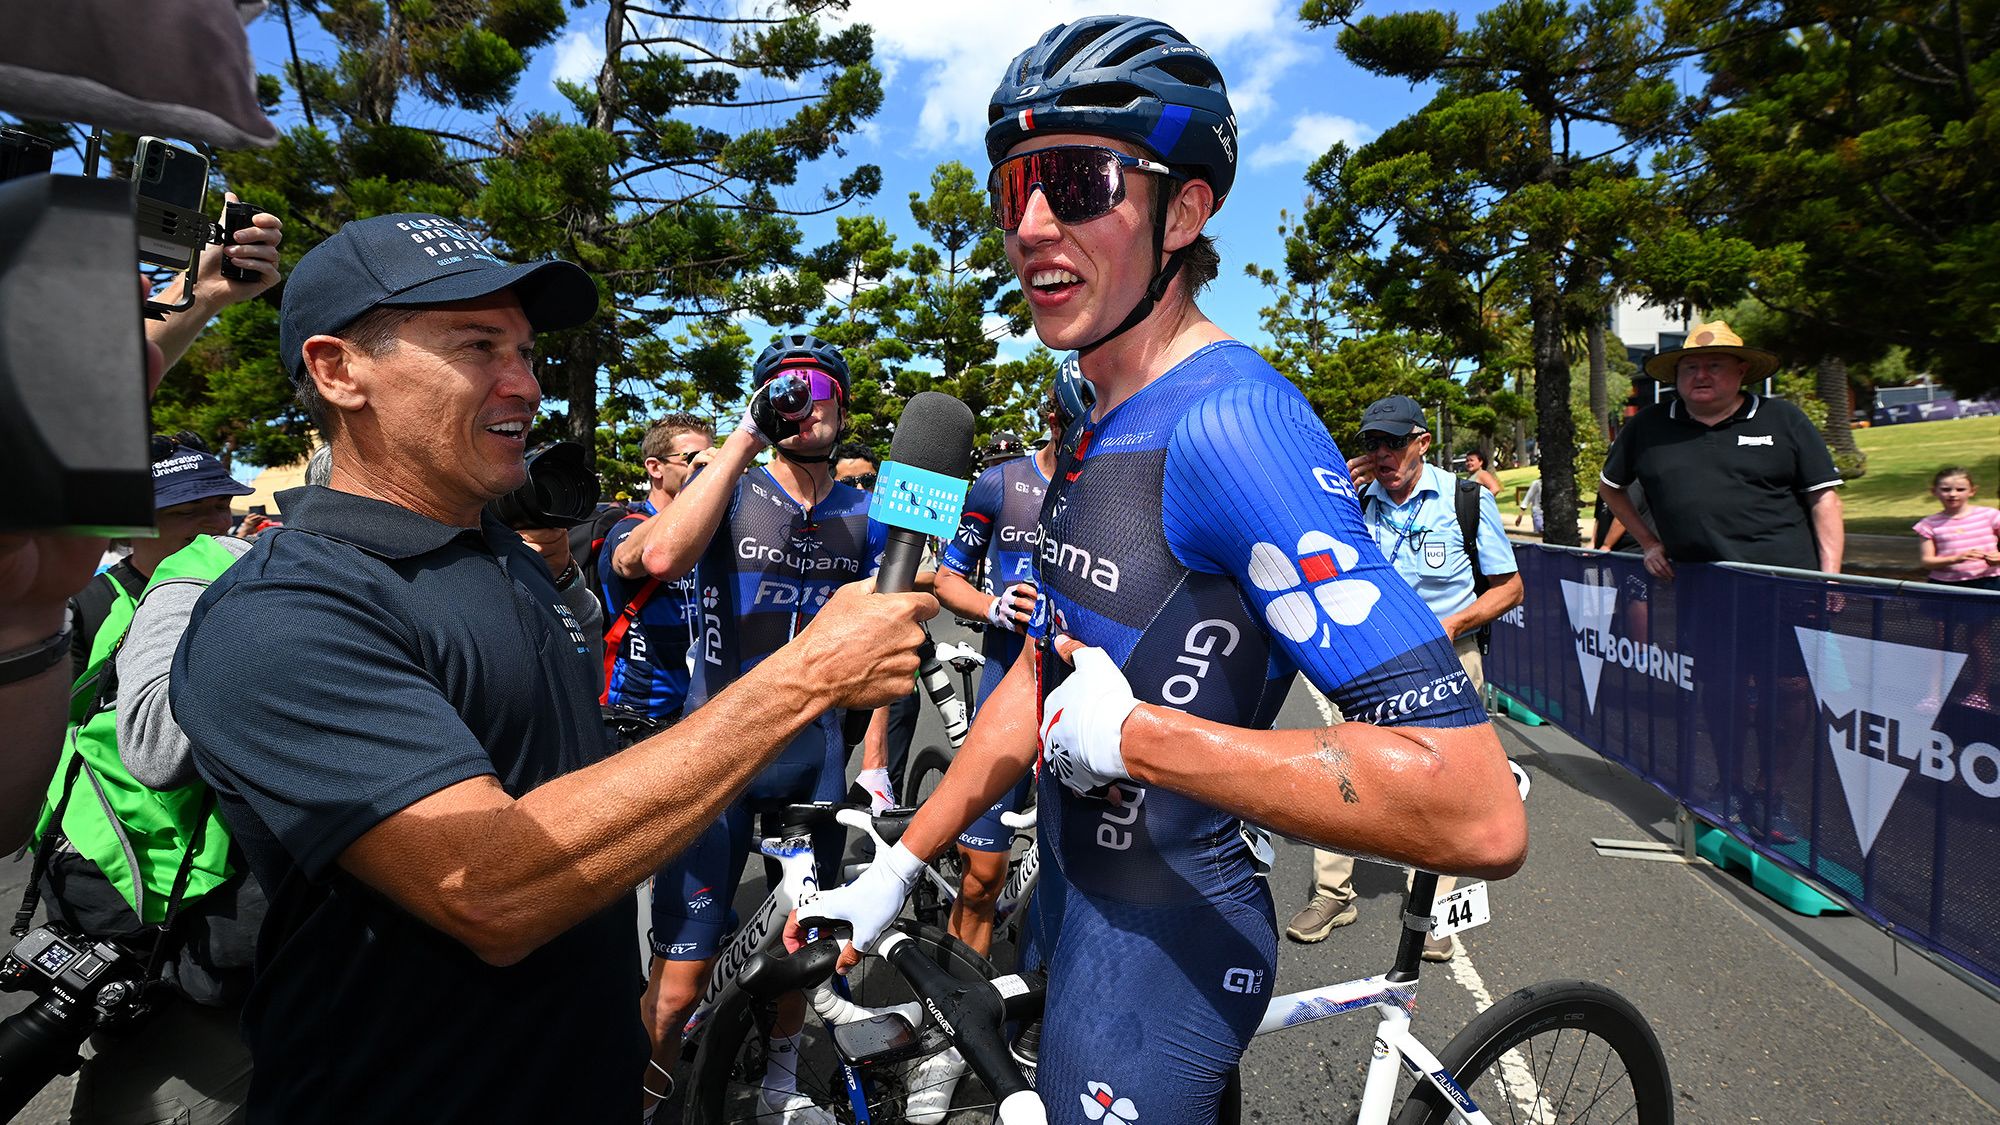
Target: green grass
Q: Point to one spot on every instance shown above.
(1896, 490)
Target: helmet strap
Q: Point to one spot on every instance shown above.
(1154, 291)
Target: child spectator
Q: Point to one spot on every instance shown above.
(1961, 544)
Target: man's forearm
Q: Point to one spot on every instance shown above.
(538, 865)
(1829, 529)
(960, 596)
(683, 531)
(1504, 594)
(1441, 799)
(875, 743)
(1627, 514)
(177, 332)
(1000, 748)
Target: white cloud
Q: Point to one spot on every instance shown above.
(1312, 135)
(579, 56)
(951, 55)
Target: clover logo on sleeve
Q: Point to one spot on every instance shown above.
(1310, 580)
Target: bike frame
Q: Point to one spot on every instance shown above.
(1396, 1047)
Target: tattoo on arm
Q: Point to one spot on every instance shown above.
(1333, 757)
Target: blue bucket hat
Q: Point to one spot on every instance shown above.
(185, 475)
(413, 260)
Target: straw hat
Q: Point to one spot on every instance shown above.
(1714, 336)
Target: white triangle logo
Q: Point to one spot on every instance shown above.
(1590, 608)
(1857, 676)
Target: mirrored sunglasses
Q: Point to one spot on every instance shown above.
(1080, 182)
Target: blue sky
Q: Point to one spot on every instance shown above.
(1293, 93)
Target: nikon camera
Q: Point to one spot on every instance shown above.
(81, 985)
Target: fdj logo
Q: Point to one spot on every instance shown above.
(1877, 701)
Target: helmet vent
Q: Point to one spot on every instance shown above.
(1108, 94)
(1190, 72)
(1079, 45)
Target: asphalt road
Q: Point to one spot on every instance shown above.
(1764, 1017)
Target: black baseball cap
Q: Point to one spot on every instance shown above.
(415, 260)
(185, 475)
(1396, 415)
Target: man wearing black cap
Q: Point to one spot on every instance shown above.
(1422, 518)
(400, 720)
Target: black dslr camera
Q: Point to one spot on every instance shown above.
(561, 491)
(81, 985)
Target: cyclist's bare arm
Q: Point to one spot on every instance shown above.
(1000, 748)
(1437, 798)
(679, 535)
(960, 596)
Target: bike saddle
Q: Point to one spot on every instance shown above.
(768, 975)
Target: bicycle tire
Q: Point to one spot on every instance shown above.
(729, 1060)
(929, 907)
(1560, 1032)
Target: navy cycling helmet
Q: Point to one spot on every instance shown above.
(800, 349)
(1074, 396)
(1127, 77)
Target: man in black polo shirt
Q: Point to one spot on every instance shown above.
(399, 717)
(1730, 476)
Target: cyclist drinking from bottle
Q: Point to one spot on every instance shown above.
(1201, 537)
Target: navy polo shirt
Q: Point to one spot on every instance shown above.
(1736, 491)
(354, 662)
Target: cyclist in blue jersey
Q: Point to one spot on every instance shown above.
(649, 623)
(997, 533)
(1201, 540)
(768, 545)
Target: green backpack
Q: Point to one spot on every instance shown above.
(138, 837)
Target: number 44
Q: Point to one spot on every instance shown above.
(1460, 910)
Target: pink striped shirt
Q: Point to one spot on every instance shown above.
(1975, 529)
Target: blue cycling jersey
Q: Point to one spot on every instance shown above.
(649, 670)
(1002, 509)
(1206, 535)
(772, 564)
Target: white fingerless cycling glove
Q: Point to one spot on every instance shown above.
(1001, 612)
(1082, 723)
(881, 794)
(873, 899)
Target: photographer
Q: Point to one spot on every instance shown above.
(425, 789)
(131, 804)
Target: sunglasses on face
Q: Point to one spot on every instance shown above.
(1080, 182)
(1373, 441)
(863, 481)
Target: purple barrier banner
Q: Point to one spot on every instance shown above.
(1934, 411)
(1847, 731)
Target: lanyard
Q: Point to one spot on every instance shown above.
(1404, 531)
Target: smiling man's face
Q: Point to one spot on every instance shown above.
(447, 407)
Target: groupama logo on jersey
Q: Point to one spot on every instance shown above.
(1877, 703)
(1307, 580)
(1100, 1104)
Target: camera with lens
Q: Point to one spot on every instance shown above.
(81, 985)
(561, 490)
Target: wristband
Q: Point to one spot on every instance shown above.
(32, 661)
(568, 576)
(903, 863)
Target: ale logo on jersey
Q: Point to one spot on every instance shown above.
(1878, 701)
(1309, 579)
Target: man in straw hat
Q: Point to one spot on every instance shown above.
(1731, 476)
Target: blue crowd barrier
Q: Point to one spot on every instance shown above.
(1847, 730)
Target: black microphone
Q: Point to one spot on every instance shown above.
(920, 490)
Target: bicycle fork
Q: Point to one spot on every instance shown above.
(1395, 1044)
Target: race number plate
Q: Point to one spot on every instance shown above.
(1460, 910)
